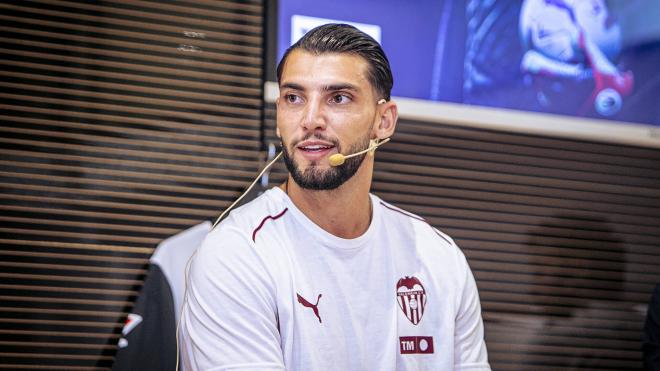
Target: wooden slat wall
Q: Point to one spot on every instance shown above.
(123, 122)
(563, 236)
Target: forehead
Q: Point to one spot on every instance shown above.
(319, 70)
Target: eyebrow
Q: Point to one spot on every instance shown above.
(291, 85)
(340, 87)
(294, 86)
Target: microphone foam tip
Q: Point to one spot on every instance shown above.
(336, 159)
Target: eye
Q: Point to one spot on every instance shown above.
(340, 99)
(292, 98)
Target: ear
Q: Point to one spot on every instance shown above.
(387, 116)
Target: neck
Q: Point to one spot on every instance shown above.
(345, 211)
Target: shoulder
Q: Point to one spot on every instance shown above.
(233, 240)
(431, 245)
(252, 217)
(421, 228)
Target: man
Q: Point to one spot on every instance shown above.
(318, 274)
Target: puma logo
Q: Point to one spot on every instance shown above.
(315, 307)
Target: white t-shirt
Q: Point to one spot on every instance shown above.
(271, 290)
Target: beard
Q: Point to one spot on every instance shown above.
(315, 178)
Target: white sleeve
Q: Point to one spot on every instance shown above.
(469, 345)
(229, 320)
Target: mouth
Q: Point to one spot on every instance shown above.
(315, 150)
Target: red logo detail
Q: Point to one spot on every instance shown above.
(254, 233)
(416, 344)
(411, 296)
(315, 307)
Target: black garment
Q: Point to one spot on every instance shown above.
(151, 344)
(651, 343)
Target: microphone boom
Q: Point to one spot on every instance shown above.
(338, 159)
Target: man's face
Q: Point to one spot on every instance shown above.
(326, 106)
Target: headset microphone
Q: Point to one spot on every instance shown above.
(339, 159)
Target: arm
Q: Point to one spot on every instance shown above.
(469, 345)
(229, 318)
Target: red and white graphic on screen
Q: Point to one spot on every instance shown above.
(411, 296)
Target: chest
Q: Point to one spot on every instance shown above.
(376, 308)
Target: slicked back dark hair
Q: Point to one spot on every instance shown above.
(343, 38)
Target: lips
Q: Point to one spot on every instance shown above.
(314, 149)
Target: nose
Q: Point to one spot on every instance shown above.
(314, 115)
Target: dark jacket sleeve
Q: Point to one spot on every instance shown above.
(151, 344)
(651, 343)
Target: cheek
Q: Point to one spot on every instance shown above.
(349, 121)
(283, 123)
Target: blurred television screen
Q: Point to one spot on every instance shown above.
(581, 58)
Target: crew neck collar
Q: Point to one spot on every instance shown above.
(326, 237)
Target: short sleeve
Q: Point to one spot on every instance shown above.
(469, 345)
(229, 317)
